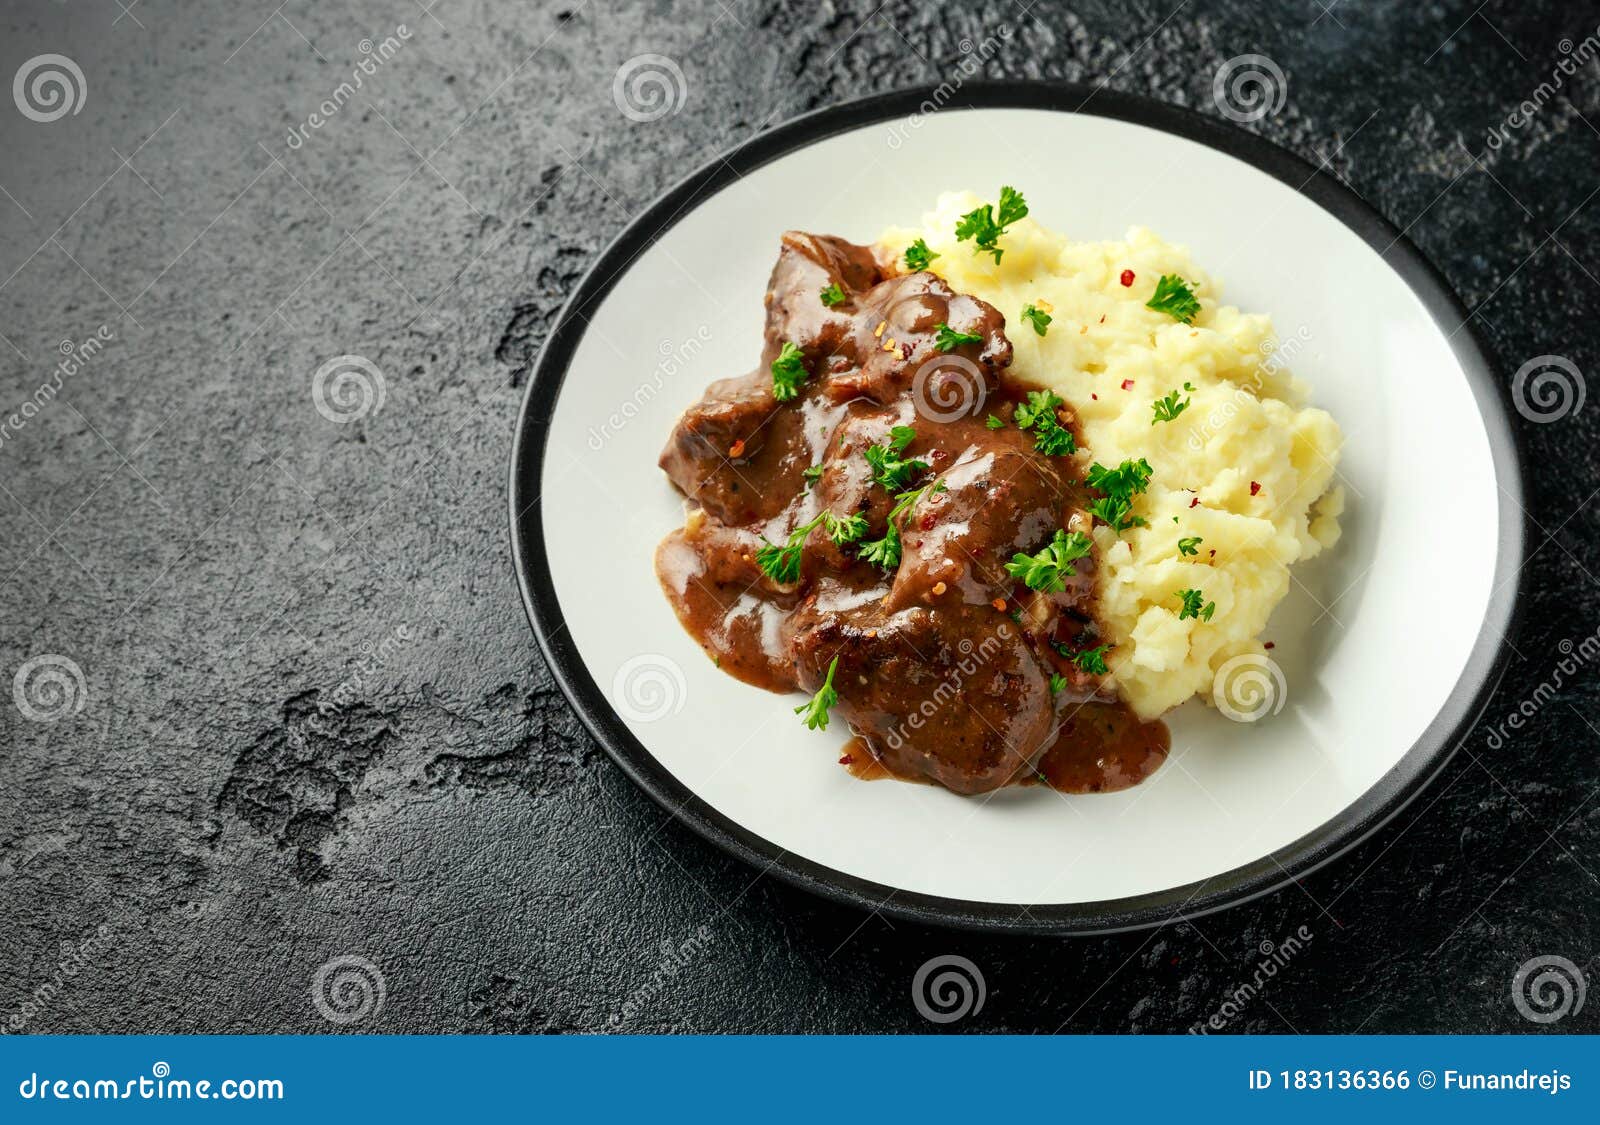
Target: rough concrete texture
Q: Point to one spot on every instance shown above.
(314, 720)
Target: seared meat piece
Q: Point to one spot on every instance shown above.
(945, 661)
(739, 456)
(998, 498)
(896, 352)
(953, 694)
(724, 600)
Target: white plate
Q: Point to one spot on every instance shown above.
(1388, 644)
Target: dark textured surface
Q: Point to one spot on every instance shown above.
(315, 721)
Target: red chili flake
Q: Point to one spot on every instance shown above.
(1269, 644)
(1213, 552)
(1127, 278)
(1255, 487)
(1195, 503)
(939, 455)
(1095, 397)
(927, 522)
(1102, 318)
(1127, 384)
(846, 760)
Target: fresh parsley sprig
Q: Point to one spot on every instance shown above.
(886, 552)
(1119, 486)
(1046, 570)
(1168, 407)
(816, 709)
(782, 564)
(984, 226)
(1190, 545)
(788, 372)
(1037, 317)
(1038, 414)
(949, 339)
(1174, 297)
(918, 256)
(1191, 605)
(888, 467)
(1092, 660)
(833, 295)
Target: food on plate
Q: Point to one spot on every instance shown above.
(959, 504)
(1157, 369)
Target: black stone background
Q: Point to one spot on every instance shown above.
(214, 554)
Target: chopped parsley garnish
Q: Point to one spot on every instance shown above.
(1039, 402)
(816, 710)
(1044, 571)
(888, 467)
(984, 227)
(788, 372)
(1092, 660)
(1119, 486)
(1174, 297)
(813, 474)
(885, 552)
(994, 423)
(1168, 407)
(918, 255)
(844, 529)
(782, 564)
(1057, 682)
(1036, 316)
(833, 295)
(1038, 414)
(1189, 545)
(1052, 438)
(949, 339)
(1191, 606)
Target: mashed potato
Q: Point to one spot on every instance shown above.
(1246, 467)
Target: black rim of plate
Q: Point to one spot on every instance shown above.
(1420, 765)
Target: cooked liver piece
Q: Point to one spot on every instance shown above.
(944, 661)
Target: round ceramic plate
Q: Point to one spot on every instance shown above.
(1388, 645)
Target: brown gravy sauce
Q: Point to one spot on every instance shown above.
(944, 663)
